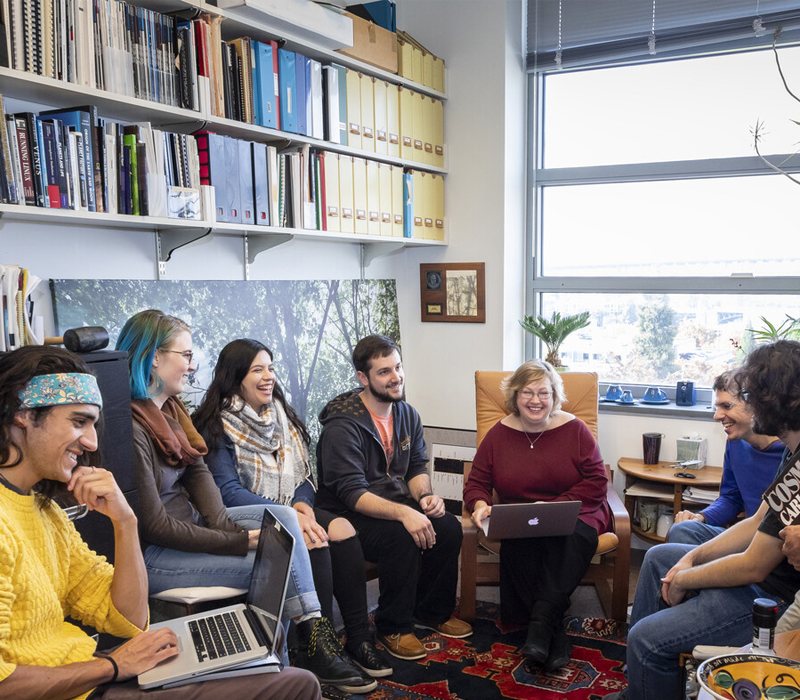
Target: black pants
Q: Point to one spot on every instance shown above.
(543, 569)
(413, 583)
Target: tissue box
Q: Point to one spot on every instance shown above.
(693, 449)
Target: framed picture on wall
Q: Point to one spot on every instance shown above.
(452, 292)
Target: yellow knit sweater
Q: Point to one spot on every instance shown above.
(46, 573)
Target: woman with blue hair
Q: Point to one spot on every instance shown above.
(190, 538)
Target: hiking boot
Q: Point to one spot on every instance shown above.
(403, 646)
(369, 658)
(321, 652)
(453, 628)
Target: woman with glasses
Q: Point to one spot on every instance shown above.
(189, 537)
(540, 453)
(258, 454)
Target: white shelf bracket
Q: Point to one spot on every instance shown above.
(259, 243)
(370, 251)
(169, 240)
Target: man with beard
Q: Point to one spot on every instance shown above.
(688, 595)
(372, 469)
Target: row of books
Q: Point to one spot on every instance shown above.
(105, 44)
(257, 82)
(18, 324)
(303, 187)
(73, 159)
(416, 63)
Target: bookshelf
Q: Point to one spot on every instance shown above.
(172, 234)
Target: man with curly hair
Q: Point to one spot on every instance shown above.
(704, 595)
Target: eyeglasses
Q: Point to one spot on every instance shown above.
(186, 354)
(527, 395)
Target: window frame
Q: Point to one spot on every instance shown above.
(540, 178)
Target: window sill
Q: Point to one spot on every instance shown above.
(670, 410)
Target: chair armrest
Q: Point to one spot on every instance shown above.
(622, 519)
(467, 526)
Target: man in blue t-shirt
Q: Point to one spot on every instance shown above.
(689, 595)
(751, 462)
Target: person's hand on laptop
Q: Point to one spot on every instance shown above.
(481, 511)
(252, 538)
(144, 652)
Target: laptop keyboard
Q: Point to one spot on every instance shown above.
(217, 636)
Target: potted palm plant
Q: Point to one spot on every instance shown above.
(554, 331)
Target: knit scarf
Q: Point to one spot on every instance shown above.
(271, 456)
(171, 430)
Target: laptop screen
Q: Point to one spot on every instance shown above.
(270, 575)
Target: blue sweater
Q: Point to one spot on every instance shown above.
(746, 473)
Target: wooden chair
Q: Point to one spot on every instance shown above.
(479, 562)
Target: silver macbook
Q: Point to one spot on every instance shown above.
(510, 521)
(242, 638)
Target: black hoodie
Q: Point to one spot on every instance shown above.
(351, 459)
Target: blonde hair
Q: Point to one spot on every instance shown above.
(527, 373)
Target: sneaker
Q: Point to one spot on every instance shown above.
(321, 652)
(369, 658)
(453, 628)
(403, 646)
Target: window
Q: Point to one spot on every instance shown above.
(651, 210)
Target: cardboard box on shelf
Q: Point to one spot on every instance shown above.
(372, 44)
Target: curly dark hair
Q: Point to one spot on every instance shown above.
(17, 368)
(769, 380)
(232, 367)
(371, 347)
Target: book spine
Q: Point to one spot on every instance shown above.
(26, 162)
(36, 159)
(51, 162)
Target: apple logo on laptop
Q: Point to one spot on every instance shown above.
(533, 521)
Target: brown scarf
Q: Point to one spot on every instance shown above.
(171, 430)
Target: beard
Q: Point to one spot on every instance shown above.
(385, 396)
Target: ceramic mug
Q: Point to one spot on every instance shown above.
(627, 396)
(613, 392)
(651, 446)
(655, 394)
(665, 522)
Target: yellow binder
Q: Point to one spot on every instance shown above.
(367, 113)
(406, 123)
(385, 198)
(393, 120)
(353, 109)
(347, 217)
(437, 121)
(381, 88)
(331, 164)
(438, 206)
(360, 195)
(438, 74)
(427, 129)
(418, 126)
(404, 61)
(427, 69)
(373, 198)
(416, 65)
(397, 201)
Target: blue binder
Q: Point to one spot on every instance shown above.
(233, 203)
(260, 188)
(288, 92)
(302, 93)
(408, 205)
(264, 86)
(246, 194)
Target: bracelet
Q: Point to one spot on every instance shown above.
(116, 668)
(425, 495)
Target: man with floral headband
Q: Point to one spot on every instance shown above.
(49, 406)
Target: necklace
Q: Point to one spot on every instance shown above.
(533, 442)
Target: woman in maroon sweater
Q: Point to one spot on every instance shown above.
(540, 453)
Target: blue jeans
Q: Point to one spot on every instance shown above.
(658, 633)
(172, 568)
(692, 532)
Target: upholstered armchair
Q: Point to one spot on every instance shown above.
(609, 570)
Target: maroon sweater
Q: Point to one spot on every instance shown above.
(564, 465)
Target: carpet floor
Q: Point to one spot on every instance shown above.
(488, 665)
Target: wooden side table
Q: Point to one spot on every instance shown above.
(664, 473)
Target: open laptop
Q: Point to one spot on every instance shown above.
(510, 521)
(244, 636)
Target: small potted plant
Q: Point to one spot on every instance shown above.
(555, 331)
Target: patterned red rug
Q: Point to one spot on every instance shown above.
(488, 665)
